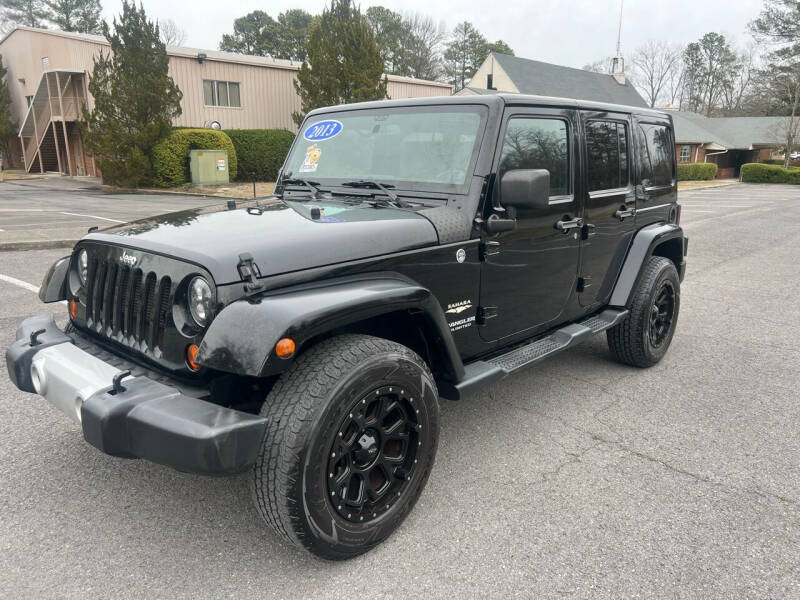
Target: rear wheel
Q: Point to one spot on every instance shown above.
(643, 338)
(352, 436)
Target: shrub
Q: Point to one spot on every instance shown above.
(261, 152)
(761, 173)
(773, 161)
(170, 156)
(696, 171)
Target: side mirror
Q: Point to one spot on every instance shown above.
(525, 188)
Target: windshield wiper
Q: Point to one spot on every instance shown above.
(394, 200)
(312, 186)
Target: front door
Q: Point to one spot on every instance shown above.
(609, 204)
(528, 275)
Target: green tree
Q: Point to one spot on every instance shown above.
(8, 124)
(392, 37)
(258, 34)
(293, 31)
(464, 53)
(135, 99)
(710, 65)
(32, 13)
(82, 16)
(499, 47)
(778, 25)
(344, 63)
(255, 33)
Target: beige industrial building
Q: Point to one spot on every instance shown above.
(48, 75)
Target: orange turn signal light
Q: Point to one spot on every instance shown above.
(73, 309)
(285, 348)
(191, 356)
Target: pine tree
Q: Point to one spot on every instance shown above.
(31, 13)
(82, 16)
(8, 124)
(464, 53)
(135, 99)
(344, 63)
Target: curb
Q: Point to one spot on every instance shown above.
(164, 192)
(38, 245)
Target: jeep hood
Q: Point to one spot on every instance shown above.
(281, 237)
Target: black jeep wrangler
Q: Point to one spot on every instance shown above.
(413, 249)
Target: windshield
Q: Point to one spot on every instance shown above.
(425, 148)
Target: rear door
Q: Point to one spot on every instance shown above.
(609, 203)
(657, 184)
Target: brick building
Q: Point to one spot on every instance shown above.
(729, 142)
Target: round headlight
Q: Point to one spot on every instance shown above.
(200, 301)
(83, 266)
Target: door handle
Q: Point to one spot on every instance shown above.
(624, 212)
(566, 224)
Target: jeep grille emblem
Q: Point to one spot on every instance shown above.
(128, 259)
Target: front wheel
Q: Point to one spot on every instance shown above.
(351, 439)
(643, 338)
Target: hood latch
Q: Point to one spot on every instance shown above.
(250, 273)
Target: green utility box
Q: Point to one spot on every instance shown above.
(208, 166)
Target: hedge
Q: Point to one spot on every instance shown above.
(761, 173)
(170, 156)
(773, 161)
(261, 152)
(696, 171)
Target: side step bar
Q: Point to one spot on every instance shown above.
(484, 372)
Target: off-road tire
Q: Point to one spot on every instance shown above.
(305, 409)
(629, 341)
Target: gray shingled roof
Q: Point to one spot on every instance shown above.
(740, 133)
(544, 79)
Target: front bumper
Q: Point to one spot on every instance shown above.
(145, 419)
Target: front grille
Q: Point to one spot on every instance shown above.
(127, 303)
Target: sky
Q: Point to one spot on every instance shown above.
(565, 32)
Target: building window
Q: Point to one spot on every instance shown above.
(221, 93)
(607, 151)
(686, 153)
(538, 144)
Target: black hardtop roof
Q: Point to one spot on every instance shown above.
(497, 101)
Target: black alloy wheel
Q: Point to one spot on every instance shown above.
(643, 338)
(661, 314)
(352, 432)
(374, 454)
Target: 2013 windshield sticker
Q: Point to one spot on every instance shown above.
(323, 130)
(310, 162)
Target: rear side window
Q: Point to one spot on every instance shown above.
(607, 153)
(657, 155)
(538, 143)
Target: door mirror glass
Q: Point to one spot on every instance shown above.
(525, 189)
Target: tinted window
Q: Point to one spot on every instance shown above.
(657, 156)
(538, 144)
(607, 152)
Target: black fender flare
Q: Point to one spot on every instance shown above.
(644, 245)
(54, 283)
(242, 337)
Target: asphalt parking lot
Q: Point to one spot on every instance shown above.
(579, 478)
(35, 211)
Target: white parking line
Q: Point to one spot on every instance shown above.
(93, 217)
(23, 284)
(19, 283)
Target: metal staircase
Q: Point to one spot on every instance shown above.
(52, 115)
